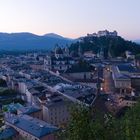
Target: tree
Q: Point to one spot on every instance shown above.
(84, 126)
(79, 128)
(3, 83)
(114, 46)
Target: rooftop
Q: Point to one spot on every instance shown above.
(127, 68)
(12, 107)
(31, 125)
(119, 75)
(54, 99)
(29, 110)
(7, 133)
(82, 93)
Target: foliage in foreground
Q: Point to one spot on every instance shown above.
(83, 127)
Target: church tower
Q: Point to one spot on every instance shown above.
(67, 51)
(58, 52)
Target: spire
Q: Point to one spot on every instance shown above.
(67, 52)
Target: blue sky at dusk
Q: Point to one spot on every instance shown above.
(71, 18)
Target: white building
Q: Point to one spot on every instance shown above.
(122, 82)
(123, 75)
(107, 33)
(129, 55)
(55, 109)
(103, 33)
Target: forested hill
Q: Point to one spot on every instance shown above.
(26, 41)
(115, 46)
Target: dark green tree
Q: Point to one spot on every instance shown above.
(85, 125)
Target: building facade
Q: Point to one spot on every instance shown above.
(59, 61)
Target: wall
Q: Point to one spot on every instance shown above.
(56, 115)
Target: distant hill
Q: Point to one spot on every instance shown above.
(137, 41)
(112, 46)
(55, 36)
(29, 41)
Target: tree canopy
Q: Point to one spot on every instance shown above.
(116, 46)
(84, 126)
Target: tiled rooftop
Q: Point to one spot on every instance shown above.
(84, 94)
(119, 75)
(31, 125)
(7, 133)
(127, 68)
(29, 110)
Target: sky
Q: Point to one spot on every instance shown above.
(71, 18)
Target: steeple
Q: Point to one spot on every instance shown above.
(67, 52)
(58, 52)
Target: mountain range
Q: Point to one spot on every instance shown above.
(28, 41)
(137, 41)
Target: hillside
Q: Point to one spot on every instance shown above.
(114, 46)
(29, 41)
